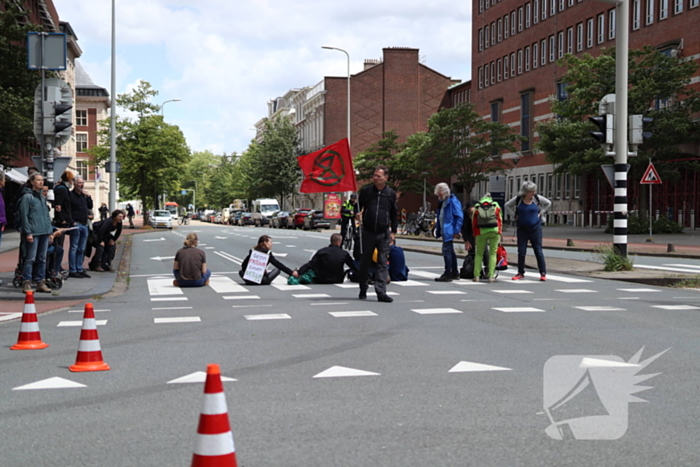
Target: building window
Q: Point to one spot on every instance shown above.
(81, 142)
(579, 37)
(493, 72)
(678, 7)
(562, 4)
(493, 33)
(550, 186)
(486, 76)
(512, 65)
(589, 33)
(571, 3)
(601, 28)
(650, 12)
(506, 29)
(552, 49)
(611, 24)
(562, 95)
(567, 186)
(487, 42)
(481, 78)
(81, 118)
(528, 15)
(552, 7)
(577, 187)
(500, 29)
(520, 19)
(558, 186)
(525, 121)
(544, 10)
(536, 12)
(505, 67)
(481, 40)
(520, 61)
(663, 9)
(540, 183)
(495, 111)
(498, 67)
(512, 23)
(694, 3)
(535, 55)
(636, 14)
(81, 166)
(527, 58)
(481, 6)
(570, 40)
(560, 44)
(543, 46)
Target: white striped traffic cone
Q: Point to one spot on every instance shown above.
(89, 353)
(214, 446)
(29, 335)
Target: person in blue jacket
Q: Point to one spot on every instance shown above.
(448, 226)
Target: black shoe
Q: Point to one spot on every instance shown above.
(84, 274)
(76, 275)
(363, 295)
(384, 298)
(443, 278)
(456, 277)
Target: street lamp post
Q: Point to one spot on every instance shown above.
(424, 174)
(113, 122)
(194, 196)
(162, 107)
(348, 55)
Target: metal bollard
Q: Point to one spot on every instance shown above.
(657, 215)
(680, 217)
(692, 219)
(590, 218)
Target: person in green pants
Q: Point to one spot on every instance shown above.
(487, 223)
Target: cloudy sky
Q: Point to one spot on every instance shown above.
(227, 58)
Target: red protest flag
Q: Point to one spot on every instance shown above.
(328, 170)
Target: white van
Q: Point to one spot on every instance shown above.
(262, 209)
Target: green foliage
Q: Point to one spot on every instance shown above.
(612, 260)
(17, 83)
(639, 224)
(460, 143)
(152, 153)
(566, 140)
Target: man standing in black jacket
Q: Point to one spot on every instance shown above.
(377, 204)
(80, 204)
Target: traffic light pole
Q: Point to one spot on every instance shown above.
(42, 146)
(621, 146)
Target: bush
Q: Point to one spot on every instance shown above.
(639, 224)
(612, 260)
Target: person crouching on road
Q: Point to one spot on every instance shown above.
(265, 246)
(107, 233)
(190, 265)
(327, 263)
(528, 208)
(448, 225)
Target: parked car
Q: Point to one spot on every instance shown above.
(279, 220)
(290, 220)
(195, 216)
(314, 220)
(235, 219)
(298, 218)
(247, 219)
(161, 219)
(218, 218)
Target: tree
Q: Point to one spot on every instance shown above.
(460, 143)
(658, 89)
(274, 171)
(17, 83)
(151, 152)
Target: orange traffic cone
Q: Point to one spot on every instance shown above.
(89, 352)
(29, 335)
(214, 446)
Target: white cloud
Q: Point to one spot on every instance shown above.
(226, 59)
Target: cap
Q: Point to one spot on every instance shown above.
(353, 196)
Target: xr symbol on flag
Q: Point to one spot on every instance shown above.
(328, 169)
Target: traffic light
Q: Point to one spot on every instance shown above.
(606, 128)
(636, 134)
(57, 112)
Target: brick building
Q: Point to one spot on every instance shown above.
(515, 46)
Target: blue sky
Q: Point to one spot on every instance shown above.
(227, 58)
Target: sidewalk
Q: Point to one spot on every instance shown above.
(73, 289)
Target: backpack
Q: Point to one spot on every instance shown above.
(486, 214)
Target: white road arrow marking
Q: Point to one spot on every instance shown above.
(161, 239)
(462, 367)
(51, 383)
(161, 258)
(341, 371)
(196, 377)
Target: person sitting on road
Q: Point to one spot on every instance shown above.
(327, 264)
(265, 246)
(398, 271)
(106, 234)
(190, 265)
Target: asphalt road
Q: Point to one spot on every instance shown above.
(448, 375)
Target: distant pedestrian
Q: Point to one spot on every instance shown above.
(467, 271)
(35, 228)
(487, 224)
(80, 205)
(190, 265)
(104, 211)
(265, 246)
(377, 205)
(130, 215)
(448, 225)
(528, 208)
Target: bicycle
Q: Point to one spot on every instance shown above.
(183, 220)
(348, 233)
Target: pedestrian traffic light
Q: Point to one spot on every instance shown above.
(606, 128)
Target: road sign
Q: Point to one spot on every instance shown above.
(651, 176)
(55, 51)
(183, 192)
(609, 171)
